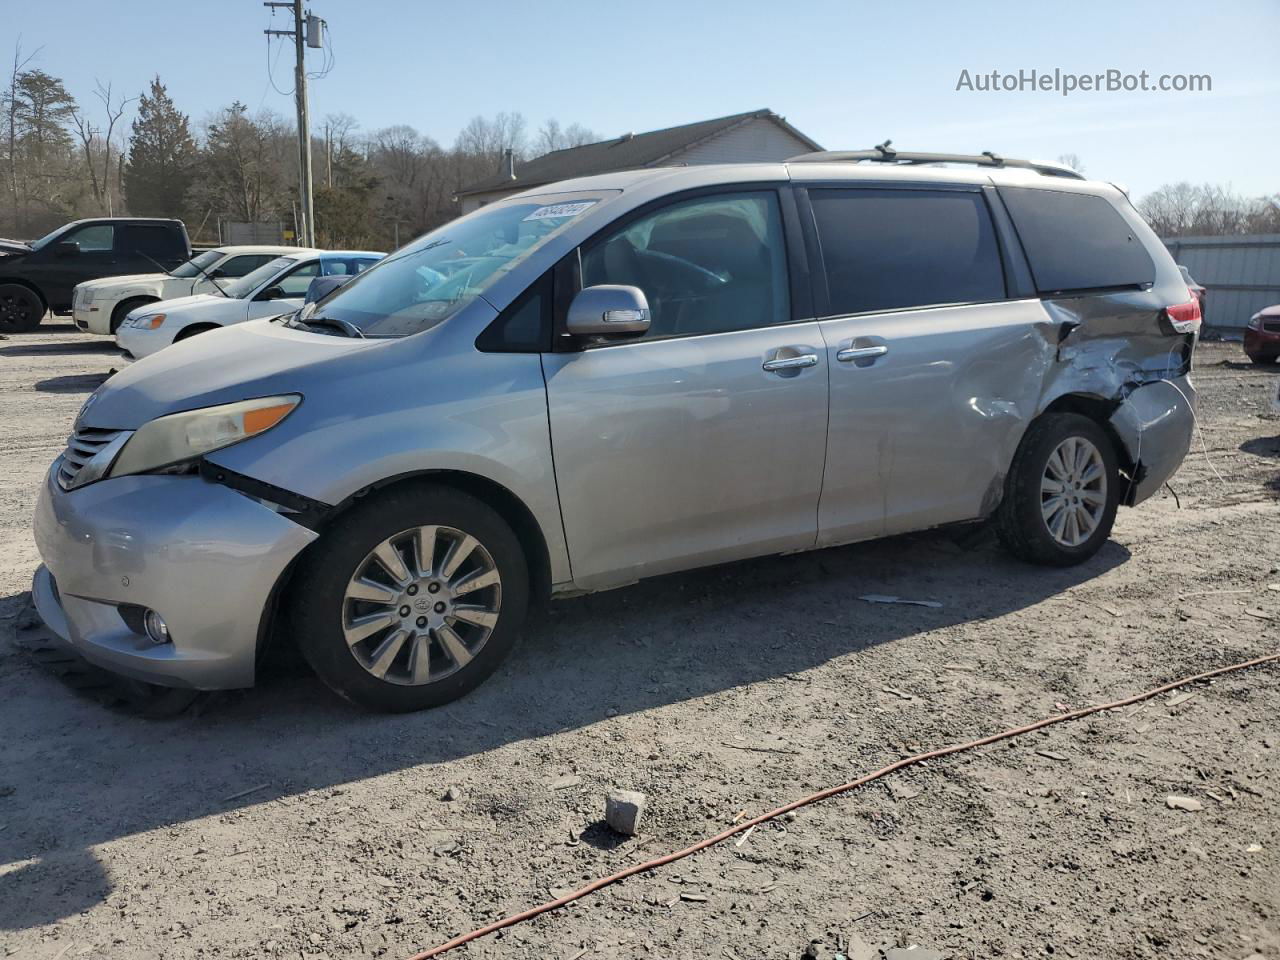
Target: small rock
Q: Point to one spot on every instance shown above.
(1188, 804)
(564, 783)
(452, 794)
(1253, 848)
(692, 897)
(624, 809)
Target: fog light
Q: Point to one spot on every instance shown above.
(157, 629)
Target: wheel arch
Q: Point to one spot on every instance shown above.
(23, 282)
(1099, 410)
(193, 329)
(118, 312)
(511, 508)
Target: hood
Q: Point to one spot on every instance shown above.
(188, 306)
(253, 359)
(11, 247)
(1269, 312)
(102, 283)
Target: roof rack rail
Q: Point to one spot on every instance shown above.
(884, 153)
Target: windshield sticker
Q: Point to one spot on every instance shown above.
(558, 211)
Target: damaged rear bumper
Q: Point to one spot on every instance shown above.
(1155, 423)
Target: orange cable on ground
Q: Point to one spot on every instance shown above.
(745, 825)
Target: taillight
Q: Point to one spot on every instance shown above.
(1184, 317)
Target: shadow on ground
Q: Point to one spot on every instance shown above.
(81, 347)
(1263, 446)
(661, 642)
(74, 383)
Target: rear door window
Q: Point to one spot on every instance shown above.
(239, 266)
(895, 249)
(150, 242)
(1076, 241)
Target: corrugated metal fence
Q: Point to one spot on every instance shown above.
(1241, 274)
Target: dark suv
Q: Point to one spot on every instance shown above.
(38, 277)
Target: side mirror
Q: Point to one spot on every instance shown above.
(67, 248)
(272, 293)
(321, 287)
(608, 310)
(218, 274)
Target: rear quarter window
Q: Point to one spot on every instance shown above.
(1076, 241)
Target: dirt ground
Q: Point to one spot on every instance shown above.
(281, 822)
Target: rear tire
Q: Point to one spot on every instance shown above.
(374, 601)
(21, 309)
(1062, 492)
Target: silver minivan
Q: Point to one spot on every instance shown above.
(611, 378)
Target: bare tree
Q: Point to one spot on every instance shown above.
(1187, 209)
(553, 137)
(97, 142)
(1071, 160)
(487, 138)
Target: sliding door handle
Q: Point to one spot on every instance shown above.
(861, 353)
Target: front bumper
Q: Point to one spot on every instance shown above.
(1155, 423)
(89, 317)
(205, 557)
(1261, 344)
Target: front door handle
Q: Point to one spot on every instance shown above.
(791, 363)
(850, 354)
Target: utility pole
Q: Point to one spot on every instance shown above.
(301, 40)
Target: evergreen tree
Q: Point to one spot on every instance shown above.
(162, 157)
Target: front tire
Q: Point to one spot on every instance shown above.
(21, 309)
(124, 308)
(1062, 492)
(411, 599)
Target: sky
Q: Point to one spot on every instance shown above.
(849, 74)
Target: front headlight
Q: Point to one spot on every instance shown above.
(149, 322)
(193, 433)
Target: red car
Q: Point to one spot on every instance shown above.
(1262, 335)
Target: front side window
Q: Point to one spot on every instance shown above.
(95, 238)
(896, 249)
(706, 265)
(296, 282)
(437, 275)
(197, 266)
(250, 282)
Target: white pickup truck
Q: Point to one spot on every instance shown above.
(100, 306)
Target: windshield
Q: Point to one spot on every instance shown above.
(239, 289)
(37, 244)
(198, 265)
(437, 275)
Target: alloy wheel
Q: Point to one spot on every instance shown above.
(1073, 491)
(421, 605)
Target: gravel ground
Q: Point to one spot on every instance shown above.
(280, 822)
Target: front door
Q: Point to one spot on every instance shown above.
(703, 440)
(934, 371)
(57, 269)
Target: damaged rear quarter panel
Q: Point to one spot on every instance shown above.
(1118, 353)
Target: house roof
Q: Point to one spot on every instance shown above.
(622, 153)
